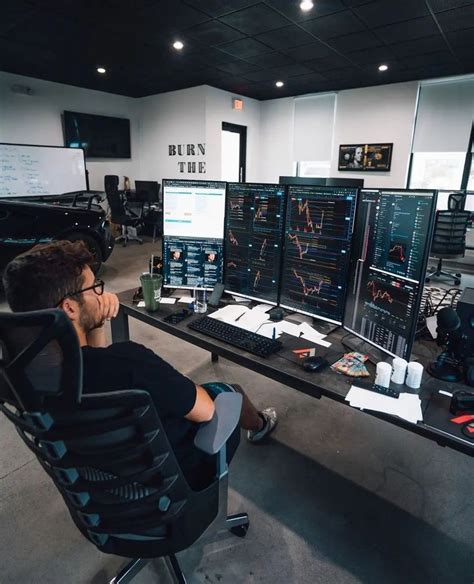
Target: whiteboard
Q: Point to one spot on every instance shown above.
(27, 171)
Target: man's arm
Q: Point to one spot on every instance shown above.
(108, 308)
(203, 408)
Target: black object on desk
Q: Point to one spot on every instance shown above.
(315, 364)
(177, 317)
(251, 342)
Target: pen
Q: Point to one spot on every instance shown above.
(274, 333)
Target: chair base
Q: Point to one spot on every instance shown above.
(438, 272)
(127, 236)
(236, 524)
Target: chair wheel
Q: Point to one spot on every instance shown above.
(457, 282)
(140, 242)
(427, 280)
(240, 530)
(458, 275)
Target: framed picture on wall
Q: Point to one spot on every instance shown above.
(365, 157)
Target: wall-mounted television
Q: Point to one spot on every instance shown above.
(100, 136)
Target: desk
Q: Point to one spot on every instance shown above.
(325, 384)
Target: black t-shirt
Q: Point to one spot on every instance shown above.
(130, 365)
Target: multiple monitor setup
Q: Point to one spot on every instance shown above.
(351, 257)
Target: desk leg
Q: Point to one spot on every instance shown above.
(214, 357)
(119, 327)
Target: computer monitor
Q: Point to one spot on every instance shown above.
(253, 242)
(390, 247)
(318, 233)
(193, 233)
(321, 181)
(147, 191)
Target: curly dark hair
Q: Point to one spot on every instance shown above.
(42, 276)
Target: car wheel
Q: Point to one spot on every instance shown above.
(92, 245)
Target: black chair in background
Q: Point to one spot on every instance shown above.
(449, 241)
(107, 453)
(456, 201)
(148, 191)
(118, 211)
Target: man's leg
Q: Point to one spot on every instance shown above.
(258, 424)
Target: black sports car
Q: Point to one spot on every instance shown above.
(24, 223)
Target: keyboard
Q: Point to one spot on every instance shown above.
(246, 340)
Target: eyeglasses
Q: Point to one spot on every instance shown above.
(97, 286)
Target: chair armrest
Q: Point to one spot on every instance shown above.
(212, 436)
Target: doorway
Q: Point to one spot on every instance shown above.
(234, 152)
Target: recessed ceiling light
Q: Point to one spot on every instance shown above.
(101, 70)
(383, 67)
(306, 5)
(178, 45)
(279, 83)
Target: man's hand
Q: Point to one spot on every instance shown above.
(109, 306)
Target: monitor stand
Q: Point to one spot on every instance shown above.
(355, 343)
(324, 327)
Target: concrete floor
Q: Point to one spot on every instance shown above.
(335, 496)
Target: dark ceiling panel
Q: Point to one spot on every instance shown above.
(245, 48)
(255, 20)
(379, 55)
(292, 10)
(217, 8)
(419, 46)
(439, 5)
(285, 38)
(405, 31)
(237, 67)
(314, 50)
(334, 25)
(332, 62)
(239, 45)
(271, 60)
(457, 19)
(355, 41)
(385, 12)
(214, 33)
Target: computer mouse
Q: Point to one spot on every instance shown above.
(314, 364)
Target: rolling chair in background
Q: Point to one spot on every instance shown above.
(449, 241)
(456, 201)
(107, 453)
(118, 211)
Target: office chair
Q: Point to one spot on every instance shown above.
(107, 453)
(456, 201)
(449, 241)
(118, 211)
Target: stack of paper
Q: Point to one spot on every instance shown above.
(258, 321)
(406, 406)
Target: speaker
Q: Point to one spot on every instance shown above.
(465, 310)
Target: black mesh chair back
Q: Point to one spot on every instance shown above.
(456, 201)
(106, 453)
(449, 237)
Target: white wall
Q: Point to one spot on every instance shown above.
(174, 118)
(276, 139)
(373, 115)
(218, 110)
(36, 118)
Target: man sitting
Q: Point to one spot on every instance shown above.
(58, 275)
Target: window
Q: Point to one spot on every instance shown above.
(437, 170)
(320, 168)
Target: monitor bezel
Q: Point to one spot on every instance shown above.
(421, 283)
(298, 310)
(187, 180)
(248, 296)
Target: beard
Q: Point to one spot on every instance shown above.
(88, 321)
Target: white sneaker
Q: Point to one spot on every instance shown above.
(271, 420)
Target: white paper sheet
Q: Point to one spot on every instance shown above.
(230, 313)
(168, 300)
(406, 406)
